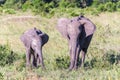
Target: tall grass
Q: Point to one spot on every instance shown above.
(106, 40)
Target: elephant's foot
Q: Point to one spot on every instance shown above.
(27, 64)
(75, 67)
(43, 67)
(70, 68)
(28, 67)
(82, 65)
(34, 64)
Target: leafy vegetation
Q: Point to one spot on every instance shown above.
(7, 56)
(49, 7)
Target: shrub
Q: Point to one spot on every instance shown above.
(1, 9)
(101, 8)
(7, 56)
(1, 76)
(26, 5)
(110, 7)
(110, 57)
(106, 61)
(9, 3)
(9, 11)
(95, 3)
(63, 4)
(62, 62)
(14, 4)
(118, 6)
(97, 63)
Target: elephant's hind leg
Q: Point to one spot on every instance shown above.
(77, 57)
(83, 53)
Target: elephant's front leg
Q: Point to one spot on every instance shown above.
(28, 57)
(70, 52)
(73, 54)
(77, 56)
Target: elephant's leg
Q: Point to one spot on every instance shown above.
(40, 57)
(83, 53)
(70, 49)
(85, 46)
(73, 53)
(38, 60)
(77, 56)
(28, 57)
(34, 60)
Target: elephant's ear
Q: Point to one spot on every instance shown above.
(62, 26)
(22, 38)
(44, 38)
(88, 26)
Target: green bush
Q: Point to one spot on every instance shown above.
(101, 8)
(9, 11)
(110, 57)
(63, 4)
(1, 10)
(62, 62)
(14, 4)
(1, 76)
(110, 7)
(7, 56)
(97, 63)
(95, 3)
(9, 3)
(106, 61)
(118, 6)
(26, 5)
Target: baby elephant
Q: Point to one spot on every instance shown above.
(33, 41)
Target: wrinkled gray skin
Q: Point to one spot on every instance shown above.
(33, 41)
(78, 31)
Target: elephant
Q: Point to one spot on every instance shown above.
(78, 31)
(33, 40)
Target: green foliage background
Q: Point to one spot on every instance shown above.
(45, 7)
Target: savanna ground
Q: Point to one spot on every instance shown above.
(102, 60)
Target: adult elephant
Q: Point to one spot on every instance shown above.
(33, 40)
(78, 31)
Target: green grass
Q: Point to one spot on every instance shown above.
(106, 40)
